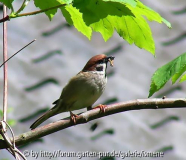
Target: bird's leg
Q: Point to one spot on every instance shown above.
(73, 117)
(101, 107)
(89, 108)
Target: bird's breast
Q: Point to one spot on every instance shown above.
(91, 88)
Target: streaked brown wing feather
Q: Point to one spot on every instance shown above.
(70, 92)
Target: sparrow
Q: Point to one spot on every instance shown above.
(82, 91)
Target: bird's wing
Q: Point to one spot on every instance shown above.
(72, 90)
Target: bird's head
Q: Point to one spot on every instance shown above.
(98, 63)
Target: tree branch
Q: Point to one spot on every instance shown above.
(4, 19)
(95, 114)
(40, 11)
(14, 15)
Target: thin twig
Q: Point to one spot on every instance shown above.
(5, 91)
(95, 114)
(10, 143)
(16, 53)
(13, 137)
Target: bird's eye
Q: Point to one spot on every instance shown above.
(100, 61)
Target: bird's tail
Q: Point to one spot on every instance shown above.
(53, 111)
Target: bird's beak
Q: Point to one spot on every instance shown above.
(111, 60)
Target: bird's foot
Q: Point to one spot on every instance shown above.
(101, 107)
(73, 117)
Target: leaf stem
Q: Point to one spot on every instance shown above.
(13, 15)
(12, 8)
(36, 12)
(24, 4)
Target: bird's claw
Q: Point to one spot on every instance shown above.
(73, 117)
(101, 107)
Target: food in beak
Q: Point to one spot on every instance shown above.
(111, 62)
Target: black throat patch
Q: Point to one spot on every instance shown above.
(100, 68)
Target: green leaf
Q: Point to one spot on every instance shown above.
(7, 3)
(149, 13)
(130, 2)
(73, 16)
(135, 30)
(124, 16)
(177, 75)
(96, 15)
(48, 4)
(65, 1)
(172, 69)
(167, 23)
(105, 16)
(183, 78)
